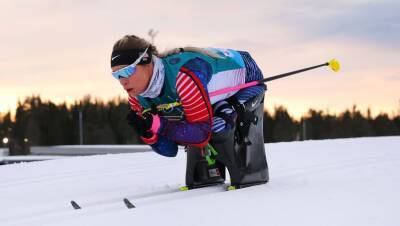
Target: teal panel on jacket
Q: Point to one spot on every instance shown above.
(230, 60)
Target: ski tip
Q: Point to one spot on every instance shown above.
(128, 204)
(75, 205)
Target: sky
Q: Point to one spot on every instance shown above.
(61, 50)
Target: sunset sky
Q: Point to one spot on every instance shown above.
(61, 49)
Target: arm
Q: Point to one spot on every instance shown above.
(159, 144)
(191, 85)
(195, 129)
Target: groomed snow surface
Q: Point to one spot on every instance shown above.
(330, 182)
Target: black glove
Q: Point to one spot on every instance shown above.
(142, 125)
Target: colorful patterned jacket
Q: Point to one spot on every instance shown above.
(184, 104)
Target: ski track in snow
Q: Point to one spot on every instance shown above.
(54, 215)
(328, 182)
(73, 174)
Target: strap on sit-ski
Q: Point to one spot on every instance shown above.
(209, 153)
(244, 119)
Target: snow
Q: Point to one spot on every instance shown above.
(328, 182)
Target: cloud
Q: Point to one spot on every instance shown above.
(372, 21)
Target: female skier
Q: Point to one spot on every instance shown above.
(170, 105)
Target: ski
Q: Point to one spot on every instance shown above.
(75, 205)
(128, 204)
(240, 186)
(192, 187)
(201, 190)
(227, 187)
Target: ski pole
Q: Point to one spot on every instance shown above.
(333, 64)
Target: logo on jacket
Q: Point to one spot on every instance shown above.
(225, 52)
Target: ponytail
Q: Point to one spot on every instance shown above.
(133, 42)
(189, 49)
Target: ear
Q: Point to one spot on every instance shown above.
(149, 67)
(148, 70)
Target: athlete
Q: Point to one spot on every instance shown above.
(171, 105)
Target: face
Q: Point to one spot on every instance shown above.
(138, 82)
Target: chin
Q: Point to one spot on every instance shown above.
(133, 93)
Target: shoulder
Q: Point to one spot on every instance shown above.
(198, 65)
(197, 68)
(192, 61)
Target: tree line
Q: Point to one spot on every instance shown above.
(44, 123)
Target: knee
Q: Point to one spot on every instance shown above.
(224, 116)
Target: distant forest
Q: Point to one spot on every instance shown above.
(43, 123)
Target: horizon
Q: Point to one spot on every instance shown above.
(272, 110)
(61, 50)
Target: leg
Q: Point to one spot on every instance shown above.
(245, 160)
(199, 173)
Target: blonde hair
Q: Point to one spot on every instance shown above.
(134, 42)
(189, 49)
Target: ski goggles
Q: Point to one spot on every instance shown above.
(129, 70)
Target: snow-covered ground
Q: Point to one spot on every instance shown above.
(331, 182)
